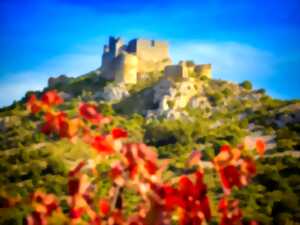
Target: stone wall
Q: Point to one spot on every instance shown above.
(184, 70)
(203, 70)
(124, 63)
(176, 72)
(152, 66)
(126, 68)
(150, 50)
(140, 56)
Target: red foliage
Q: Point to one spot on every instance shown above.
(233, 168)
(44, 205)
(225, 148)
(193, 200)
(104, 207)
(33, 105)
(76, 213)
(53, 122)
(89, 112)
(51, 98)
(119, 133)
(136, 166)
(230, 176)
(103, 144)
(231, 214)
(260, 147)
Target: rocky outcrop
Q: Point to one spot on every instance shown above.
(113, 92)
(7, 121)
(60, 80)
(66, 96)
(173, 96)
(288, 114)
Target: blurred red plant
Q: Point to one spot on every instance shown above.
(136, 167)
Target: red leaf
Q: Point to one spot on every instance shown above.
(53, 122)
(151, 167)
(250, 167)
(185, 186)
(33, 105)
(119, 133)
(76, 212)
(116, 171)
(90, 113)
(102, 144)
(225, 148)
(104, 207)
(51, 98)
(68, 128)
(230, 176)
(260, 147)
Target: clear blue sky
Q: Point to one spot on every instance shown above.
(255, 40)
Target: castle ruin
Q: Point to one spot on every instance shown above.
(185, 69)
(127, 63)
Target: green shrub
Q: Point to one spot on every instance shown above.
(246, 84)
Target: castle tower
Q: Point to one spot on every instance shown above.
(143, 56)
(115, 46)
(127, 68)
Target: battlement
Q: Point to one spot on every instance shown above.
(187, 68)
(128, 62)
(151, 56)
(147, 44)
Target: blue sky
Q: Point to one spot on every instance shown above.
(255, 40)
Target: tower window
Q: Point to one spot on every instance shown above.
(152, 43)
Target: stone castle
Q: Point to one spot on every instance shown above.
(128, 63)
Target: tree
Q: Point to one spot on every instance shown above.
(246, 84)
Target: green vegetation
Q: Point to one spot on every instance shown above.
(246, 84)
(274, 197)
(29, 160)
(90, 82)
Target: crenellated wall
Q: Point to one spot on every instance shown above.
(184, 70)
(150, 55)
(203, 70)
(150, 50)
(124, 63)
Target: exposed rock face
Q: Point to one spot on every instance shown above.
(289, 114)
(60, 80)
(200, 102)
(114, 92)
(66, 96)
(173, 96)
(7, 121)
(3, 124)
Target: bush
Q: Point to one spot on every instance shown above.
(246, 84)
(216, 98)
(227, 92)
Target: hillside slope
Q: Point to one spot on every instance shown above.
(175, 116)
